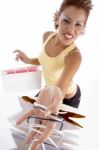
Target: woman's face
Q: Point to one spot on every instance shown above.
(71, 24)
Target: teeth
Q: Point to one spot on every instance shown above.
(68, 36)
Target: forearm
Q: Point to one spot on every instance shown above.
(34, 61)
(72, 64)
(62, 88)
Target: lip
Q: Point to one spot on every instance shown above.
(68, 36)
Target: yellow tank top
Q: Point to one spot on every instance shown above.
(52, 67)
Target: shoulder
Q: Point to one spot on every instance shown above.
(46, 34)
(74, 57)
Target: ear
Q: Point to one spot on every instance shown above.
(56, 18)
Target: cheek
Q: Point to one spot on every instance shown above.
(61, 27)
(60, 23)
(78, 33)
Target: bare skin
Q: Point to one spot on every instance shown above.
(23, 57)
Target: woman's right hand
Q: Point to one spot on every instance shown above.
(22, 56)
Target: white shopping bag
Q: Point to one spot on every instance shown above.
(21, 79)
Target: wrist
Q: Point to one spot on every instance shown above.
(61, 90)
(30, 60)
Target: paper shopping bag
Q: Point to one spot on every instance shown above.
(21, 79)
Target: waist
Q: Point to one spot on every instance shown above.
(70, 95)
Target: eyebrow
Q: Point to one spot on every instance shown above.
(71, 19)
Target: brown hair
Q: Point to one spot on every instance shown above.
(84, 4)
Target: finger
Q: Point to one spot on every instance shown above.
(34, 145)
(30, 136)
(52, 109)
(24, 117)
(44, 136)
(42, 133)
(47, 132)
(35, 132)
(17, 51)
(42, 129)
(19, 56)
(47, 112)
(34, 128)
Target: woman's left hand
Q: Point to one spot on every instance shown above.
(51, 97)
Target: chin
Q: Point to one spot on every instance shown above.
(68, 42)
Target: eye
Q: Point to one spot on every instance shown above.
(78, 24)
(66, 21)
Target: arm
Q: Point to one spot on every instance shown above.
(72, 63)
(34, 61)
(23, 57)
(46, 34)
(57, 91)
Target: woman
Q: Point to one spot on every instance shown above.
(60, 60)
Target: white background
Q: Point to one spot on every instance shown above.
(22, 23)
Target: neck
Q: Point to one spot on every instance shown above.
(58, 43)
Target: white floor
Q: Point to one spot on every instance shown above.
(89, 105)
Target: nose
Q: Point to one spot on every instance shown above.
(71, 27)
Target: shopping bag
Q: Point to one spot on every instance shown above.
(21, 79)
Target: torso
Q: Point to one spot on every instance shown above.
(53, 51)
